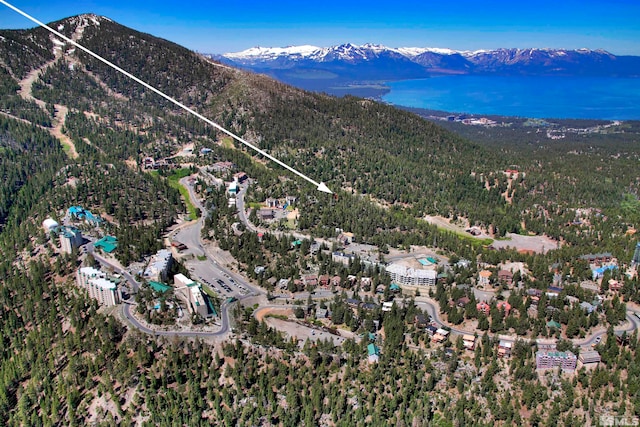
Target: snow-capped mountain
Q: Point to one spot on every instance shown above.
(427, 61)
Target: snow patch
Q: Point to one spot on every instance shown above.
(273, 52)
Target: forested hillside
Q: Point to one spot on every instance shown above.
(359, 146)
(63, 361)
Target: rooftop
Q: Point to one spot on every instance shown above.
(107, 244)
(159, 286)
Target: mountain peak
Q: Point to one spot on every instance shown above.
(420, 62)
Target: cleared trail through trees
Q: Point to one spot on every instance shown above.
(60, 116)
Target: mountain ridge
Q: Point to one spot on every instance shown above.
(349, 62)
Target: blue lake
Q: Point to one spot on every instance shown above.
(523, 96)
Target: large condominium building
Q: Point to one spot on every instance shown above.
(191, 293)
(159, 266)
(404, 275)
(566, 360)
(98, 285)
(70, 238)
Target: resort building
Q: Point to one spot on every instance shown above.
(50, 225)
(405, 275)
(70, 239)
(98, 285)
(159, 266)
(565, 360)
(192, 295)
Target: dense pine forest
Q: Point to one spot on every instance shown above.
(64, 361)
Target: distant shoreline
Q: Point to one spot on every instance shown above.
(611, 98)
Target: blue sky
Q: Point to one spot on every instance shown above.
(230, 25)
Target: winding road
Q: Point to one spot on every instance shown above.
(431, 307)
(190, 235)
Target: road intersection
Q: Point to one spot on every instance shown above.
(212, 271)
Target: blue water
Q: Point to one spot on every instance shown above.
(607, 98)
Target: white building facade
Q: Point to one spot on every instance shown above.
(403, 275)
(98, 286)
(159, 266)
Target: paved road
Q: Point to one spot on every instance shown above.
(213, 267)
(224, 314)
(432, 309)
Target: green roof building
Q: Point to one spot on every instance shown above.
(553, 324)
(159, 286)
(107, 244)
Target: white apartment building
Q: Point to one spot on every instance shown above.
(98, 286)
(191, 293)
(403, 275)
(70, 238)
(159, 266)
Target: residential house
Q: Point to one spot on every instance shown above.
(272, 203)
(587, 307)
(504, 348)
(534, 292)
(622, 338)
(283, 284)
(484, 277)
(614, 285)
(266, 214)
(373, 353)
(421, 320)
(469, 342)
(353, 303)
(553, 324)
(505, 276)
(431, 330)
(290, 200)
(462, 302)
(483, 307)
(240, 177)
(440, 336)
(598, 259)
(310, 280)
(336, 281)
(324, 280)
(589, 359)
(345, 238)
(343, 258)
(505, 306)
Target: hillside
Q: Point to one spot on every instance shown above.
(74, 132)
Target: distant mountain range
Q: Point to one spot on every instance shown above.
(310, 65)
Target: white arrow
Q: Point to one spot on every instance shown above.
(320, 186)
